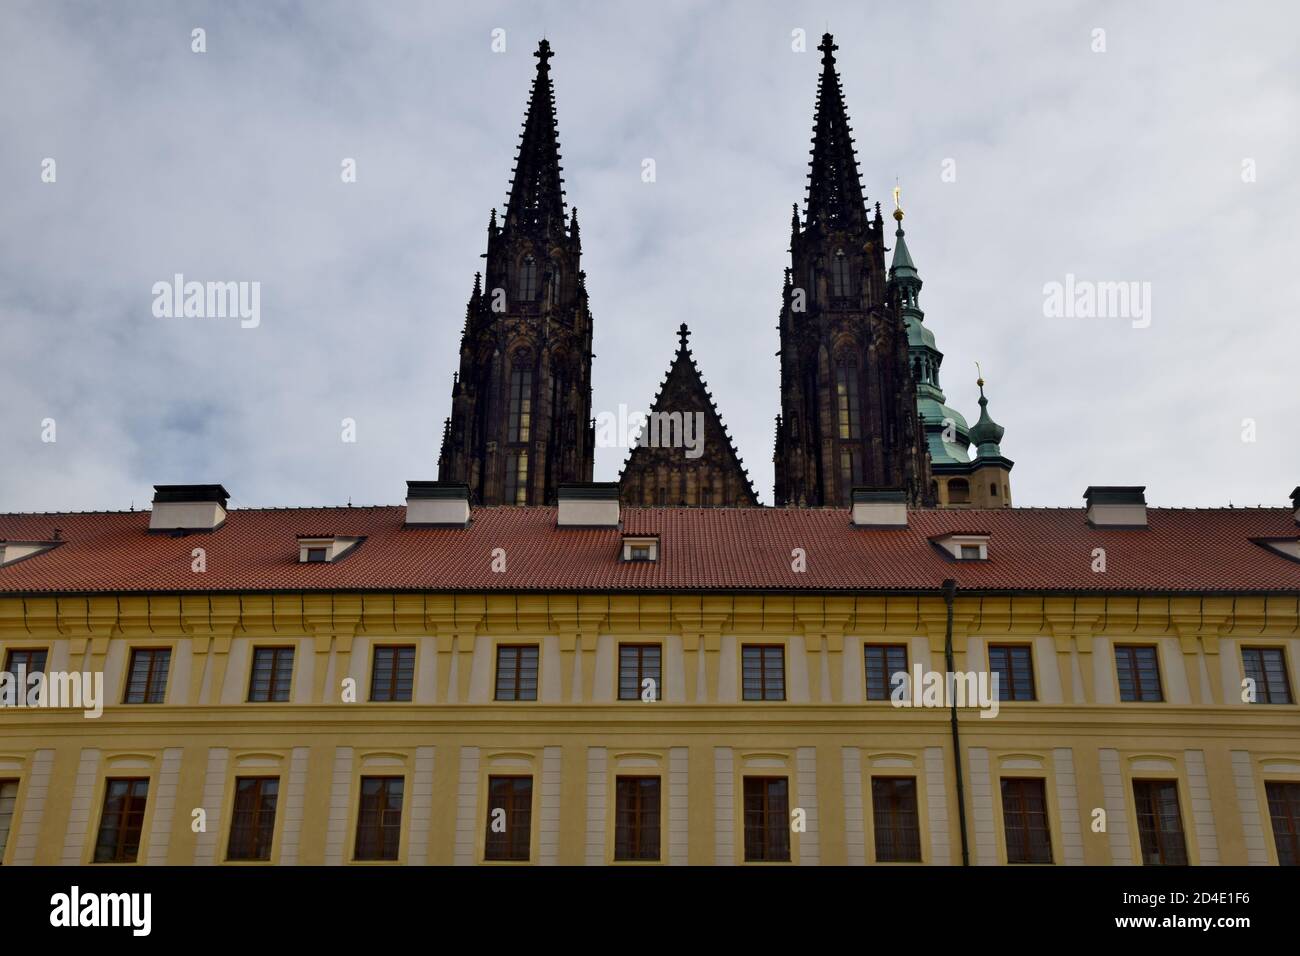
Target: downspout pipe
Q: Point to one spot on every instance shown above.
(949, 594)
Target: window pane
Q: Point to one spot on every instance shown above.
(121, 821)
(8, 799)
(1160, 825)
(636, 663)
(516, 672)
(1138, 671)
(147, 677)
(897, 826)
(392, 675)
(767, 819)
(379, 818)
(1283, 808)
(883, 662)
(28, 660)
(1013, 663)
(636, 821)
(272, 674)
(1266, 666)
(763, 672)
(252, 824)
(1024, 816)
(510, 818)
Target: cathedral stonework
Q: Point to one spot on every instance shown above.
(848, 406)
(686, 456)
(861, 406)
(520, 424)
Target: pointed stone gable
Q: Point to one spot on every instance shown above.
(687, 458)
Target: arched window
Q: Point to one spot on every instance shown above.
(846, 399)
(839, 274)
(528, 279)
(553, 288)
(521, 405)
(958, 491)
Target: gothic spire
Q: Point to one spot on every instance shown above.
(835, 197)
(537, 189)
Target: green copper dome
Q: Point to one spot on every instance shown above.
(987, 433)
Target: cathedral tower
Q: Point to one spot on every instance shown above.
(848, 405)
(520, 421)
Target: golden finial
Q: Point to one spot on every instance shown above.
(979, 376)
(898, 205)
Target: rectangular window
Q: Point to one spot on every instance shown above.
(122, 820)
(1139, 673)
(639, 552)
(637, 663)
(1266, 666)
(272, 674)
(883, 662)
(970, 552)
(147, 683)
(1283, 807)
(1024, 815)
(846, 396)
(252, 819)
(29, 660)
(1160, 825)
(763, 671)
(767, 819)
(521, 405)
(392, 673)
(516, 491)
(379, 818)
(636, 820)
(510, 818)
(516, 672)
(317, 556)
(1014, 665)
(850, 468)
(897, 826)
(8, 800)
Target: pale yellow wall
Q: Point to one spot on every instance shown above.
(700, 737)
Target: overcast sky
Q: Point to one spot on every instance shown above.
(1122, 165)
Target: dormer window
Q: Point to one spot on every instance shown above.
(964, 546)
(325, 549)
(640, 547)
(12, 551)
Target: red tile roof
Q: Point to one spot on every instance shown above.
(723, 549)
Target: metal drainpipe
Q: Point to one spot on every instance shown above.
(949, 593)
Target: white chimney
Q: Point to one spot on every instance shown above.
(879, 509)
(590, 505)
(437, 504)
(188, 507)
(1116, 506)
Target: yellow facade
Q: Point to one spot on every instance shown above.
(700, 738)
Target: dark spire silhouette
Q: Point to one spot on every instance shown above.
(835, 198)
(537, 189)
